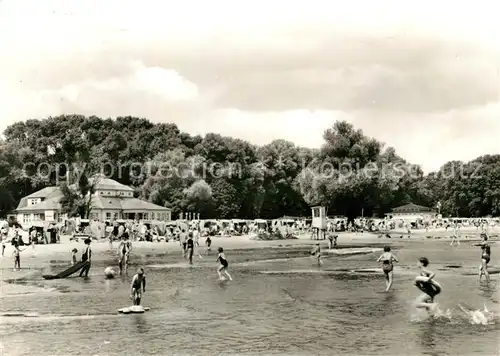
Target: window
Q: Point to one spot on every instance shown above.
(26, 218)
(115, 216)
(152, 216)
(146, 216)
(102, 193)
(108, 216)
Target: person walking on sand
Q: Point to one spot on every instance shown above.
(223, 265)
(387, 259)
(86, 257)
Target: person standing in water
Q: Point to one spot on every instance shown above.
(124, 249)
(183, 239)
(456, 234)
(387, 259)
(86, 257)
(17, 255)
(485, 257)
(317, 253)
(223, 265)
(332, 240)
(208, 242)
(190, 248)
(138, 286)
(426, 283)
(73, 256)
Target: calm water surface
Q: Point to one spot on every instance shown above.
(288, 310)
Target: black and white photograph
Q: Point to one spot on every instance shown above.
(249, 178)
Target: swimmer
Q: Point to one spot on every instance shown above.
(426, 283)
(221, 259)
(387, 259)
(74, 259)
(138, 286)
(317, 252)
(485, 258)
(124, 249)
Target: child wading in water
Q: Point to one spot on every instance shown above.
(332, 240)
(86, 257)
(208, 242)
(138, 286)
(221, 259)
(485, 258)
(17, 255)
(124, 249)
(426, 283)
(317, 252)
(387, 259)
(74, 259)
(190, 249)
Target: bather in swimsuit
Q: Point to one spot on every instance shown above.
(387, 266)
(428, 288)
(486, 254)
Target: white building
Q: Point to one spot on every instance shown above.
(111, 201)
(412, 212)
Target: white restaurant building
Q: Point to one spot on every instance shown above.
(111, 201)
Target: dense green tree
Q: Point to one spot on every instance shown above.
(223, 177)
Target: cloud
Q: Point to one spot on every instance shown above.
(425, 82)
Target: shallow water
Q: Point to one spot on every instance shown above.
(297, 311)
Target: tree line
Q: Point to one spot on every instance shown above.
(224, 177)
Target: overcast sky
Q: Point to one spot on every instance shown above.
(422, 76)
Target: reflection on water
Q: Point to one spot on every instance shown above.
(428, 337)
(294, 313)
(140, 323)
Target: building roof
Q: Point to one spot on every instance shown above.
(104, 183)
(52, 196)
(412, 208)
(124, 204)
(137, 204)
(48, 204)
(45, 193)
